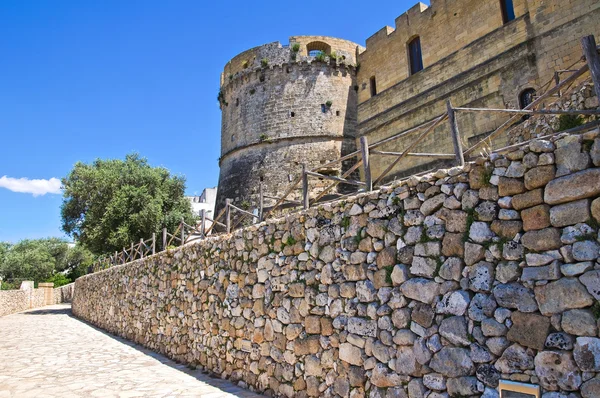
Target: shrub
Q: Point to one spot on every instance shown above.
(263, 137)
(295, 47)
(566, 122)
(321, 56)
(264, 62)
(329, 103)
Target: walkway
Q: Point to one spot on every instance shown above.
(49, 353)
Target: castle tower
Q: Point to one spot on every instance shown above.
(283, 106)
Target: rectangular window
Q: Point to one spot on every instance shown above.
(508, 10)
(416, 58)
(373, 86)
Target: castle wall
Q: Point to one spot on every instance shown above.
(276, 117)
(469, 57)
(436, 287)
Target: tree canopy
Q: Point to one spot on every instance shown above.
(110, 203)
(42, 260)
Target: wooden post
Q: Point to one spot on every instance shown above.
(142, 246)
(364, 149)
(305, 201)
(557, 81)
(182, 231)
(261, 202)
(116, 257)
(460, 159)
(593, 60)
(202, 221)
(164, 240)
(132, 255)
(153, 242)
(227, 215)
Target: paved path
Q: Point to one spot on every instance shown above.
(49, 353)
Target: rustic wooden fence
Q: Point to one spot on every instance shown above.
(187, 233)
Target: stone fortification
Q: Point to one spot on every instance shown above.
(471, 57)
(282, 107)
(438, 285)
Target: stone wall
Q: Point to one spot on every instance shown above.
(487, 65)
(439, 285)
(12, 301)
(64, 294)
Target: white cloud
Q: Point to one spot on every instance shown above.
(35, 187)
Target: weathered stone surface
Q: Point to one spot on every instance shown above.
(399, 274)
(454, 303)
(591, 388)
(515, 359)
(351, 354)
(569, 157)
(473, 253)
(452, 245)
(386, 257)
(507, 271)
(591, 280)
(510, 186)
(451, 269)
(482, 306)
(406, 363)
(454, 329)
(528, 199)
(431, 205)
(587, 250)
(488, 375)
(580, 185)
(506, 229)
(595, 209)
(544, 239)
(570, 213)
(434, 381)
(481, 277)
(452, 362)
(541, 146)
(529, 330)
(548, 273)
(579, 323)
(564, 294)
(560, 341)
(539, 176)
(512, 250)
(587, 354)
(423, 314)
(557, 370)
(462, 386)
(363, 327)
(537, 217)
(480, 232)
(513, 295)
(491, 327)
(486, 211)
(420, 289)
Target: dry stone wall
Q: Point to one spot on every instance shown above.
(437, 286)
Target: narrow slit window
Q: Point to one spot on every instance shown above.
(415, 55)
(508, 10)
(373, 84)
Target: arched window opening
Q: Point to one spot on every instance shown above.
(508, 10)
(415, 56)
(526, 98)
(373, 85)
(313, 49)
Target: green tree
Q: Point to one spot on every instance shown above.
(110, 203)
(31, 260)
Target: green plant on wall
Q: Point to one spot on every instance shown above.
(566, 122)
(264, 138)
(264, 62)
(321, 56)
(252, 91)
(329, 103)
(221, 98)
(296, 47)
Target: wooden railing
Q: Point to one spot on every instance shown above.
(187, 233)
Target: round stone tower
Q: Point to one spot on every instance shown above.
(283, 106)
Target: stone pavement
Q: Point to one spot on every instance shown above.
(48, 353)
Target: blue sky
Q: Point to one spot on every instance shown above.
(86, 79)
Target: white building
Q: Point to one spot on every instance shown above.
(206, 201)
